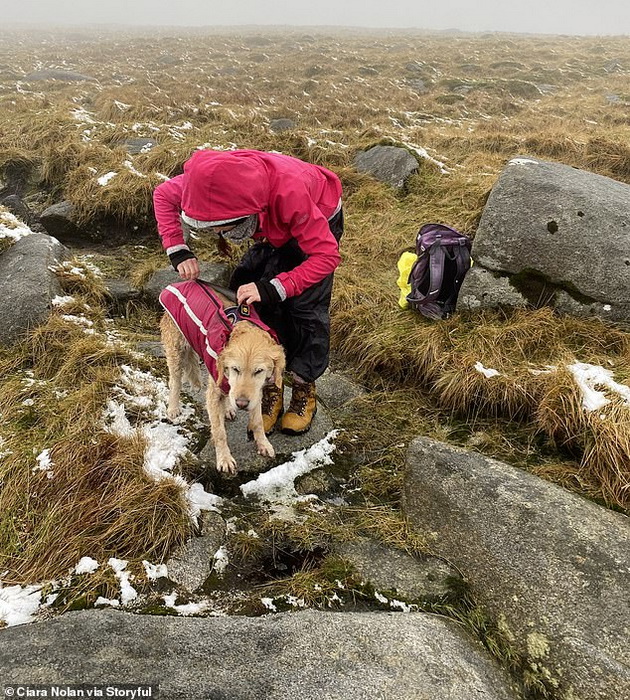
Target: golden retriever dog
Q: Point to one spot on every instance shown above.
(250, 359)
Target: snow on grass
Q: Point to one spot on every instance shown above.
(395, 604)
(86, 565)
(12, 227)
(127, 591)
(44, 462)
(129, 165)
(425, 155)
(166, 443)
(276, 486)
(104, 179)
(588, 377)
(487, 372)
(18, 604)
(61, 300)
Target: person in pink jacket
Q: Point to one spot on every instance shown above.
(292, 211)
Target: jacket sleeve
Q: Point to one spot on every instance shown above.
(310, 229)
(167, 199)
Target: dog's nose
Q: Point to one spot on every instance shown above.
(242, 403)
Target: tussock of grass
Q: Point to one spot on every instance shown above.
(97, 501)
(440, 358)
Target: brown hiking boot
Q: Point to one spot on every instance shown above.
(303, 407)
(271, 406)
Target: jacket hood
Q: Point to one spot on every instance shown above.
(221, 185)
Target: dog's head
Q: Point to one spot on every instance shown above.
(250, 360)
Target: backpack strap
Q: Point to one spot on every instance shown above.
(436, 269)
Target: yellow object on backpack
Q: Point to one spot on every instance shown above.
(405, 263)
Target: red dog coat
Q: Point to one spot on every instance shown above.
(199, 314)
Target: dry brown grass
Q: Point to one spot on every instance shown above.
(480, 107)
(97, 500)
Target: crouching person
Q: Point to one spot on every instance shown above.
(292, 211)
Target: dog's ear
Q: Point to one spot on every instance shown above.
(220, 367)
(279, 362)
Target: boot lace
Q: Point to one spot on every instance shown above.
(299, 398)
(270, 396)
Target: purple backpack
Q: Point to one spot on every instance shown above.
(436, 277)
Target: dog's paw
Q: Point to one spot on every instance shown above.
(173, 412)
(265, 448)
(230, 413)
(226, 463)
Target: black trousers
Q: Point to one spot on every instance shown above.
(301, 322)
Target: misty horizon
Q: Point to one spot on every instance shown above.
(564, 17)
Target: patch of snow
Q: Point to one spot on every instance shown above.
(268, 603)
(12, 227)
(221, 560)
(104, 179)
(107, 601)
(155, 571)
(86, 565)
(18, 604)
(277, 484)
(487, 372)
(522, 161)
(44, 462)
(127, 591)
(424, 154)
(186, 609)
(199, 499)
(129, 165)
(588, 377)
(61, 301)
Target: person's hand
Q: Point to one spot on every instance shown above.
(188, 269)
(247, 294)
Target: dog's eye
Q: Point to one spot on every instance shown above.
(259, 371)
(236, 370)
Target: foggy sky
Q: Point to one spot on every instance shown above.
(531, 16)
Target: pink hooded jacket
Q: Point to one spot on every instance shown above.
(292, 199)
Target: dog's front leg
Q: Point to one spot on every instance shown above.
(255, 425)
(173, 361)
(216, 413)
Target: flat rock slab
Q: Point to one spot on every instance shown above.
(335, 390)
(308, 655)
(244, 450)
(551, 227)
(27, 284)
(413, 578)
(551, 568)
(191, 565)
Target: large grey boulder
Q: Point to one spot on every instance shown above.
(389, 164)
(552, 228)
(550, 568)
(60, 221)
(27, 284)
(483, 289)
(308, 655)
